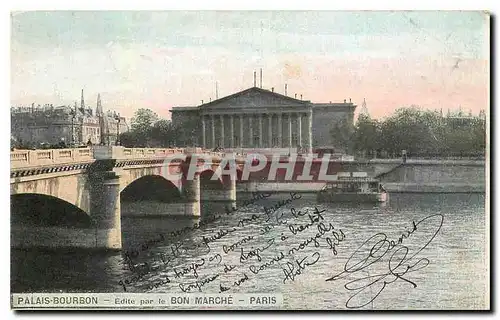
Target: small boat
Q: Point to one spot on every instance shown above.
(353, 188)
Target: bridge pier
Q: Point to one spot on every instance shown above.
(225, 193)
(105, 211)
(190, 206)
(229, 189)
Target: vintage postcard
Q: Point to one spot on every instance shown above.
(253, 160)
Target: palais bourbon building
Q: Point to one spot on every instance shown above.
(257, 118)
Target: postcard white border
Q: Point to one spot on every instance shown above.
(191, 5)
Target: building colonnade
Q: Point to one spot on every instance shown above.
(257, 130)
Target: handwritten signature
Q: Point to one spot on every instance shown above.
(400, 264)
(293, 269)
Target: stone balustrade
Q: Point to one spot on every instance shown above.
(38, 158)
(118, 152)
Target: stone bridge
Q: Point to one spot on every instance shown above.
(72, 197)
(94, 180)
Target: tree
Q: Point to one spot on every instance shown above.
(343, 133)
(366, 134)
(420, 132)
(163, 133)
(129, 139)
(143, 120)
(407, 129)
(141, 125)
(478, 136)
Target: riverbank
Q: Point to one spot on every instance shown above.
(403, 187)
(307, 188)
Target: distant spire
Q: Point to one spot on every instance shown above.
(82, 102)
(364, 109)
(98, 110)
(103, 127)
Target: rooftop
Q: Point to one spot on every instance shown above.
(264, 91)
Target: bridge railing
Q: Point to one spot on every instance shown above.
(34, 158)
(118, 152)
(150, 152)
(135, 153)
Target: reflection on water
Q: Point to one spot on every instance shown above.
(455, 277)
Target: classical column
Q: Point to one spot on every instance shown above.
(270, 118)
(250, 138)
(241, 131)
(280, 129)
(290, 130)
(260, 130)
(203, 130)
(299, 120)
(213, 131)
(309, 125)
(222, 130)
(231, 119)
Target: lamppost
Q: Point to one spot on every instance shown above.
(117, 118)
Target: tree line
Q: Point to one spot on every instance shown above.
(421, 133)
(148, 130)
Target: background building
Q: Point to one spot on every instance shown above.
(257, 118)
(73, 126)
(460, 119)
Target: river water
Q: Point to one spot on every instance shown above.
(262, 250)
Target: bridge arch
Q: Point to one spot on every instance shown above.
(73, 189)
(129, 176)
(151, 187)
(220, 188)
(46, 211)
(209, 179)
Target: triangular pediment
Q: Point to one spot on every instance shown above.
(254, 98)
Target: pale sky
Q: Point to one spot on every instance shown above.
(158, 60)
